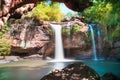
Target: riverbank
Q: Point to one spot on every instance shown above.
(25, 63)
(16, 61)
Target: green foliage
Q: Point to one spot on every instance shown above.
(4, 43)
(116, 34)
(98, 13)
(107, 13)
(70, 31)
(75, 28)
(4, 30)
(5, 46)
(66, 32)
(48, 11)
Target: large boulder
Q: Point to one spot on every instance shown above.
(74, 71)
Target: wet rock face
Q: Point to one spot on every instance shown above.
(28, 34)
(74, 38)
(112, 51)
(75, 71)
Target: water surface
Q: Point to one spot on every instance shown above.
(36, 73)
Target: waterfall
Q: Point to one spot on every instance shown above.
(59, 54)
(93, 42)
(99, 41)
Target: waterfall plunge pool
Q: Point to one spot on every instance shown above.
(36, 73)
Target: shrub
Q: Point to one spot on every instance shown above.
(5, 46)
(48, 11)
(75, 28)
(4, 30)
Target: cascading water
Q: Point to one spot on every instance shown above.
(59, 53)
(93, 42)
(99, 40)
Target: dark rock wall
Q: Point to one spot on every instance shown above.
(112, 51)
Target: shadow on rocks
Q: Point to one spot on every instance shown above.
(109, 76)
(74, 71)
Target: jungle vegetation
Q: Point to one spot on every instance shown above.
(106, 13)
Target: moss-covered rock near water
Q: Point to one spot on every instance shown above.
(109, 76)
(75, 71)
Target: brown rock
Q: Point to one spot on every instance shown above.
(74, 71)
(29, 38)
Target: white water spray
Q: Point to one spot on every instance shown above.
(93, 42)
(59, 53)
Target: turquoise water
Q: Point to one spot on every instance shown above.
(36, 73)
(102, 66)
(21, 73)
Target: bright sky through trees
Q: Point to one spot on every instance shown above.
(65, 10)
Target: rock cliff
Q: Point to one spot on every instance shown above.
(35, 36)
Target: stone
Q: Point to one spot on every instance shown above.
(74, 71)
(109, 76)
(29, 38)
(116, 44)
